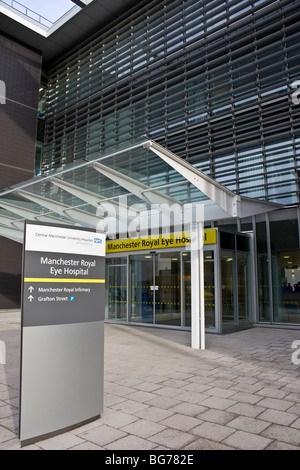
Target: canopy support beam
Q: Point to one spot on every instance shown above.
(197, 287)
(223, 197)
(26, 213)
(113, 208)
(85, 219)
(141, 190)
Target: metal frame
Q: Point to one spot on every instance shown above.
(213, 248)
(225, 200)
(218, 200)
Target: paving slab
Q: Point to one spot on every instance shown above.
(242, 392)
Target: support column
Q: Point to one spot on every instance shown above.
(197, 286)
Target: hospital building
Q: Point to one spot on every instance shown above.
(174, 128)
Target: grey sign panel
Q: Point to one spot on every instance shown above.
(62, 289)
(62, 330)
(62, 384)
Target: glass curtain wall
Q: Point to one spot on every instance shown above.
(243, 284)
(168, 289)
(116, 289)
(228, 281)
(187, 296)
(165, 69)
(209, 289)
(235, 280)
(263, 272)
(155, 286)
(159, 289)
(285, 270)
(142, 288)
(160, 284)
(278, 265)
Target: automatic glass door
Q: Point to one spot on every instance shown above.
(155, 289)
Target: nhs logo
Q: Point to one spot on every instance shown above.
(98, 241)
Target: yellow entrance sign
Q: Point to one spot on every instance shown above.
(210, 237)
(173, 240)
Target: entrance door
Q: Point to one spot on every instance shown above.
(155, 289)
(116, 292)
(209, 289)
(236, 282)
(167, 289)
(142, 289)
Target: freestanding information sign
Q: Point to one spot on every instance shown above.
(62, 334)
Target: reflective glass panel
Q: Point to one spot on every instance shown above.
(285, 270)
(141, 289)
(116, 289)
(167, 289)
(228, 283)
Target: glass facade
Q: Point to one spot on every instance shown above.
(209, 289)
(237, 308)
(279, 268)
(263, 279)
(211, 81)
(158, 288)
(116, 291)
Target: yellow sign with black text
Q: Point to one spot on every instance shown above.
(173, 240)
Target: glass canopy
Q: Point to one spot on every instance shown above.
(139, 190)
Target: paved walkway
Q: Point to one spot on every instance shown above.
(243, 392)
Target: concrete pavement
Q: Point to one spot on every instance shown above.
(242, 392)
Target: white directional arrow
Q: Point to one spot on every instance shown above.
(31, 289)
(30, 298)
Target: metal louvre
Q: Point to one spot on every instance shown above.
(206, 81)
(140, 189)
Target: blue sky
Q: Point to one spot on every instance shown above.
(50, 9)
